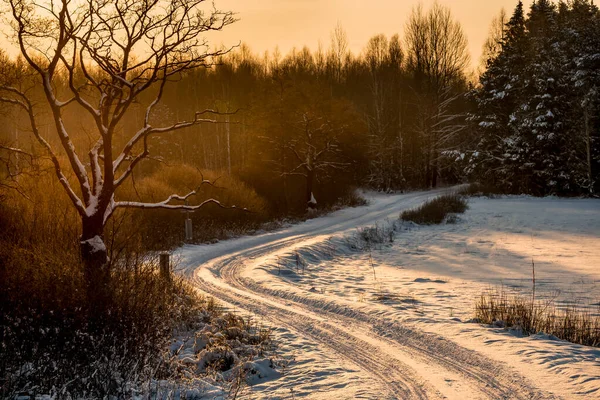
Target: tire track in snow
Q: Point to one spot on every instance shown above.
(492, 378)
(305, 316)
(396, 379)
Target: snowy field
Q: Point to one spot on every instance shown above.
(393, 321)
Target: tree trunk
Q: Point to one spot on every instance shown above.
(95, 260)
(93, 250)
(588, 150)
(428, 168)
(228, 145)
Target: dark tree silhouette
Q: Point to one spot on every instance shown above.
(110, 54)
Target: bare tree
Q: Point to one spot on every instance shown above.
(339, 50)
(11, 161)
(436, 46)
(313, 150)
(383, 60)
(377, 58)
(110, 53)
(437, 56)
(320, 60)
(493, 44)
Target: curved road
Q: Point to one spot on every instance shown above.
(406, 363)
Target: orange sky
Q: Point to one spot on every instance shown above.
(266, 23)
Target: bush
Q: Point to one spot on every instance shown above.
(63, 338)
(436, 210)
(574, 324)
(56, 341)
(41, 209)
(351, 199)
(163, 229)
(372, 237)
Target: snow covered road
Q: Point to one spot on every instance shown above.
(357, 349)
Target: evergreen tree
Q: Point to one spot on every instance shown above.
(535, 117)
(582, 44)
(497, 149)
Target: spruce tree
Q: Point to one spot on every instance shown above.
(496, 99)
(536, 116)
(582, 43)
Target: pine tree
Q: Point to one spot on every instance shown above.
(496, 152)
(539, 120)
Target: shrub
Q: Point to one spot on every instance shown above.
(163, 229)
(372, 237)
(574, 324)
(435, 211)
(351, 199)
(41, 209)
(56, 338)
(56, 341)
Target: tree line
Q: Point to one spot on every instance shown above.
(310, 125)
(305, 128)
(297, 123)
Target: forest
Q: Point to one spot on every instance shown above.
(403, 114)
(103, 155)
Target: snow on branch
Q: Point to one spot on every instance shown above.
(15, 150)
(166, 203)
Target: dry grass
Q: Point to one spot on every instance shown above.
(47, 212)
(160, 229)
(56, 342)
(55, 339)
(372, 237)
(574, 324)
(436, 210)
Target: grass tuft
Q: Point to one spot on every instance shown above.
(436, 210)
(574, 324)
(372, 237)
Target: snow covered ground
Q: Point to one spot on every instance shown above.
(392, 322)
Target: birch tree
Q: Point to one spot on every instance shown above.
(111, 54)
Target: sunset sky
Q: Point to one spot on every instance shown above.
(266, 23)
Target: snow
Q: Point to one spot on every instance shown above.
(393, 322)
(92, 207)
(486, 124)
(96, 244)
(259, 371)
